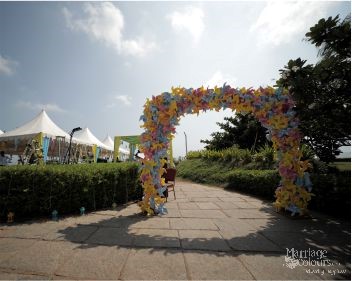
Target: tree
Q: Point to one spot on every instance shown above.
(322, 92)
(245, 131)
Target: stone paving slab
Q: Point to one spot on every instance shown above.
(42, 257)
(272, 267)
(110, 213)
(131, 210)
(204, 199)
(192, 194)
(208, 206)
(231, 199)
(223, 266)
(184, 199)
(157, 238)
(19, 276)
(188, 206)
(245, 205)
(153, 222)
(178, 195)
(245, 240)
(260, 204)
(9, 247)
(326, 226)
(100, 263)
(172, 213)
(233, 224)
(34, 230)
(203, 240)
(113, 236)
(249, 214)
(73, 234)
(191, 223)
(87, 219)
(172, 205)
(332, 271)
(291, 240)
(112, 222)
(154, 264)
(273, 225)
(335, 246)
(205, 214)
(226, 205)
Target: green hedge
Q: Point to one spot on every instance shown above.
(332, 190)
(233, 154)
(262, 183)
(204, 171)
(31, 191)
(332, 193)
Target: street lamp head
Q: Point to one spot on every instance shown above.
(76, 129)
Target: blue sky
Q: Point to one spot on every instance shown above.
(94, 64)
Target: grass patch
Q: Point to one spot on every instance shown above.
(342, 166)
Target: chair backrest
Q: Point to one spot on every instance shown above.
(170, 174)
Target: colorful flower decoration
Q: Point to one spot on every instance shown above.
(272, 107)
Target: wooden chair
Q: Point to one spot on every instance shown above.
(170, 177)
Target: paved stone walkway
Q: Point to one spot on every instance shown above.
(208, 234)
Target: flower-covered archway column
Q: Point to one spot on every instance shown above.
(272, 107)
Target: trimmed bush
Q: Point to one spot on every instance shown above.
(262, 183)
(31, 191)
(332, 189)
(332, 193)
(204, 171)
(232, 154)
(257, 182)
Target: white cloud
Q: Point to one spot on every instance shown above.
(104, 22)
(218, 79)
(126, 100)
(39, 106)
(137, 47)
(191, 20)
(7, 66)
(280, 21)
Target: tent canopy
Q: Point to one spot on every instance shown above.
(86, 137)
(40, 124)
(108, 142)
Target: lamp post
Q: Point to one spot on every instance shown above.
(186, 142)
(68, 152)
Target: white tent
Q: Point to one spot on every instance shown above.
(108, 142)
(1, 132)
(40, 124)
(86, 137)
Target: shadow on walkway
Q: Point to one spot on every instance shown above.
(251, 233)
(208, 233)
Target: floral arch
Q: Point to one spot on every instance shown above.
(273, 107)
